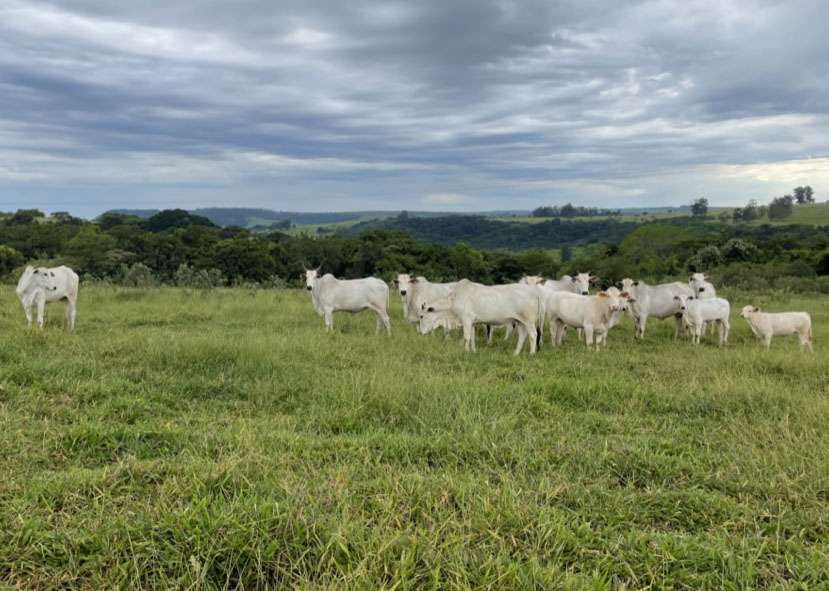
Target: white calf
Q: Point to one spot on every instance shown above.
(765, 325)
(696, 312)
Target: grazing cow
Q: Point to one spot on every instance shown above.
(39, 286)
(594, 314)
(329, 294)
(656, 301)
(416, 290)
(765, 325)
(473, 303)
(696, 312)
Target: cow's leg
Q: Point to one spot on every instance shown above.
(41, 309)
(27, 310)
(767, 341)
(468, 336)
(73, 309)
(532, 333)
(329, 320)
(588, 335)
(643, 322)
(382, 320)
(522, 335)
(805, 342)
(488, 331)
(677, 325)
(66, 315)
(508, 332)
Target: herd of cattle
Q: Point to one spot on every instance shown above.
(523, 307)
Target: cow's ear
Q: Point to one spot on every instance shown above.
(573, 279)
(430, 309)
(630, 299)
(413, 280)
(37, 271)
(52, 274)
(756, 309)
(635, 283)
(602, 294)
(690, 278)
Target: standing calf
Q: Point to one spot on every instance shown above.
(696, 312)
(765, 325)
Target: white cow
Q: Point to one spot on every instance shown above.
(329, 294)
(594, 314)
(579, 284)
(765, 325)
(696, 312)
(616, 317)
(414, 291)
(473, 303)
(39, 286)
(702, 288)
(645, 301)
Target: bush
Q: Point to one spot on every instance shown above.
(187, 276)
(707, 257)
(138, 275)
(738, 250)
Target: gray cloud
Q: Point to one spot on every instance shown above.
(470, 104)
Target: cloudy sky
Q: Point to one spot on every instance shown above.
(424, 104)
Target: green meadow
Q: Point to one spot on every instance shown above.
(222, 440)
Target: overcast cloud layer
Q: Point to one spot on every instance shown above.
(438, 104)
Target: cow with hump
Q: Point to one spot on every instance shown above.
(473, 303)
(329, 295)
(657, 301)
(595, 315)
(39, 286)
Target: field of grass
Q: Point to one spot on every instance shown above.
(223, 440)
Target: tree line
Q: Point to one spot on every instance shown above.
(568, 210)
(177, 247)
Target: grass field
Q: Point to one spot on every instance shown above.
(222, 440)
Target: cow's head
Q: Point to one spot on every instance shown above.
(697, 282)
(682, 302)
(748, 311)
(311, 276)
(428, 319)
(627, 284)
(43, 278)
(403, 283)
(581, 282)
(624, 297)
(612, 299)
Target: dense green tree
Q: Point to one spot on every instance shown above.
(780, 207)
(699, 207)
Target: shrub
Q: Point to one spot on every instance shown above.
(187, 276)
(138, 275)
